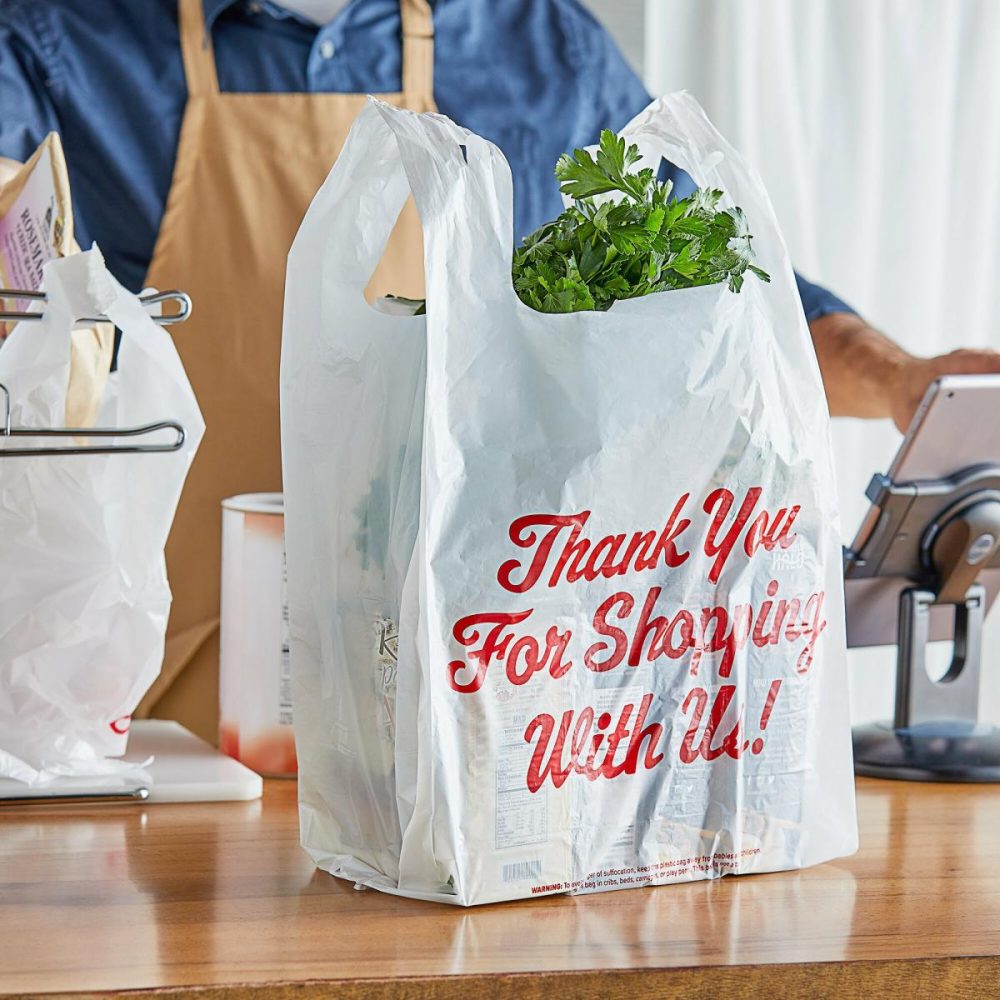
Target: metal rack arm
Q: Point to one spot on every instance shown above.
(182, 299)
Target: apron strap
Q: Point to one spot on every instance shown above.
(196, 48)
(418, 50)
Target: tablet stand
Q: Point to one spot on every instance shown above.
(941, 534)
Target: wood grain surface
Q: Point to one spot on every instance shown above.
(215, 900)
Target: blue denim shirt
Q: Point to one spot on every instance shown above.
(536, 77)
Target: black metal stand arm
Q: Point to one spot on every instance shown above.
(941, 535)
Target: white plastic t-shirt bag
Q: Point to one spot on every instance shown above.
(565, 590)
(83, 587)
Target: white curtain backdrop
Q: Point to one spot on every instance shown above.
(876, 127)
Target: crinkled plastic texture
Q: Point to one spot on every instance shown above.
(83, 587)
(412, 446)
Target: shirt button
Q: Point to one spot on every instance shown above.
(327, 48)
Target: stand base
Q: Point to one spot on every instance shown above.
(932, 752)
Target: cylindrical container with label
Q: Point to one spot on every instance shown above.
(255, 696)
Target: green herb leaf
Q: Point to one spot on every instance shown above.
(634, 241)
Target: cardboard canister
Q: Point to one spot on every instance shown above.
(255, 692)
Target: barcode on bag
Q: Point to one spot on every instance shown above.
(522, 871)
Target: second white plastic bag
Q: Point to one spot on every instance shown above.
(84, 597)
(565, 590)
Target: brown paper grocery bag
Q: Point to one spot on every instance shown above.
(44, 178)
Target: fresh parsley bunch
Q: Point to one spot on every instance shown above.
(642, 242)
(632, 245)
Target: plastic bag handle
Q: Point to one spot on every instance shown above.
(389, 154)
(676, 127)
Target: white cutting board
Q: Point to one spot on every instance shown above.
(187, 769)
(184, 769)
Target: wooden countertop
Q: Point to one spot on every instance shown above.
(219, 895)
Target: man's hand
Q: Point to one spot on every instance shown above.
(865, 374)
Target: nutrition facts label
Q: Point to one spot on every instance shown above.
(521, 816)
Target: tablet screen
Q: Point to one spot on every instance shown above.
(956, 426)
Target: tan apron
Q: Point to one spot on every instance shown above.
(247, 167)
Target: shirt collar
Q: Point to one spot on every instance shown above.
(213, 8)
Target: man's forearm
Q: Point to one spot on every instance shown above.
(858, 364)
(866, 374)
